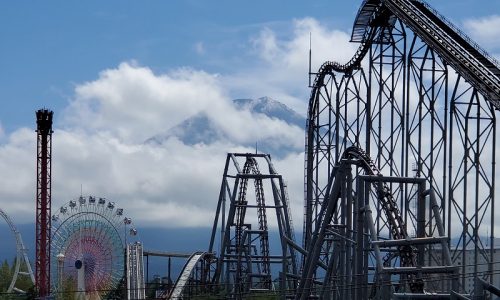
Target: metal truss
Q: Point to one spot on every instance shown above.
(136, 288)
(420, 98)
(247, 262)
(43, 201)
(368, 248)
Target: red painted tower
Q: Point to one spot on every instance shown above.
(43, 201)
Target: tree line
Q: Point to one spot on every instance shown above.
(23, 282)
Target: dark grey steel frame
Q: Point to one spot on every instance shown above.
(235, 255)
(420, 98)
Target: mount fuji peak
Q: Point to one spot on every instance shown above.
(271, 108)
(202, 129)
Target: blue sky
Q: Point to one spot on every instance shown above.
(50, 46)
(118, 72)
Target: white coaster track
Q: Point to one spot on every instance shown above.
(22, 256)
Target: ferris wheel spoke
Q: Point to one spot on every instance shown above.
(91, 231)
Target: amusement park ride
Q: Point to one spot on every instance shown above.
(400, 189)
(88, 242)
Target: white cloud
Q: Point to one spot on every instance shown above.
(148, 181)
(293, 53)
(2, 131)
(98, 143)
(267, 45)
(100, 146)
(131, 102)
(18, 162)
(282, 71)
(486, 31)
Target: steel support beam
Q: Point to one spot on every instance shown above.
(43, 202)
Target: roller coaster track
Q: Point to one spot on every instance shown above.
(331, 66)
(399, 99)
(398, 227)
(246, 263)
(468, 58)
(22, 256)
(186, 272)
(369, 12)
(251, 167)
(355, 155)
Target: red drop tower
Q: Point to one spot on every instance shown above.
(43, 201)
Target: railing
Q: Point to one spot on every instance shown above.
(463, 60)
(461, 33)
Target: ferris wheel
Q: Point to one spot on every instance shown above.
(87, 249)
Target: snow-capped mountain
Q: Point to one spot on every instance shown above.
(272, 109)
(203, 129)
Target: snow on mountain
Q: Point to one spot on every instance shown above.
(203, 129)
(272, 109)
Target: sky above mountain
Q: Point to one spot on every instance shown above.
(118, 73)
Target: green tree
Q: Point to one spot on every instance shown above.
(67, 291)
(23, 282)
(5, 276)
(5, 279)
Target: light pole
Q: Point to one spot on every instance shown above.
(60, 269)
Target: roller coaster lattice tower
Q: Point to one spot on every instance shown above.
(247, 262)
(420, 98)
